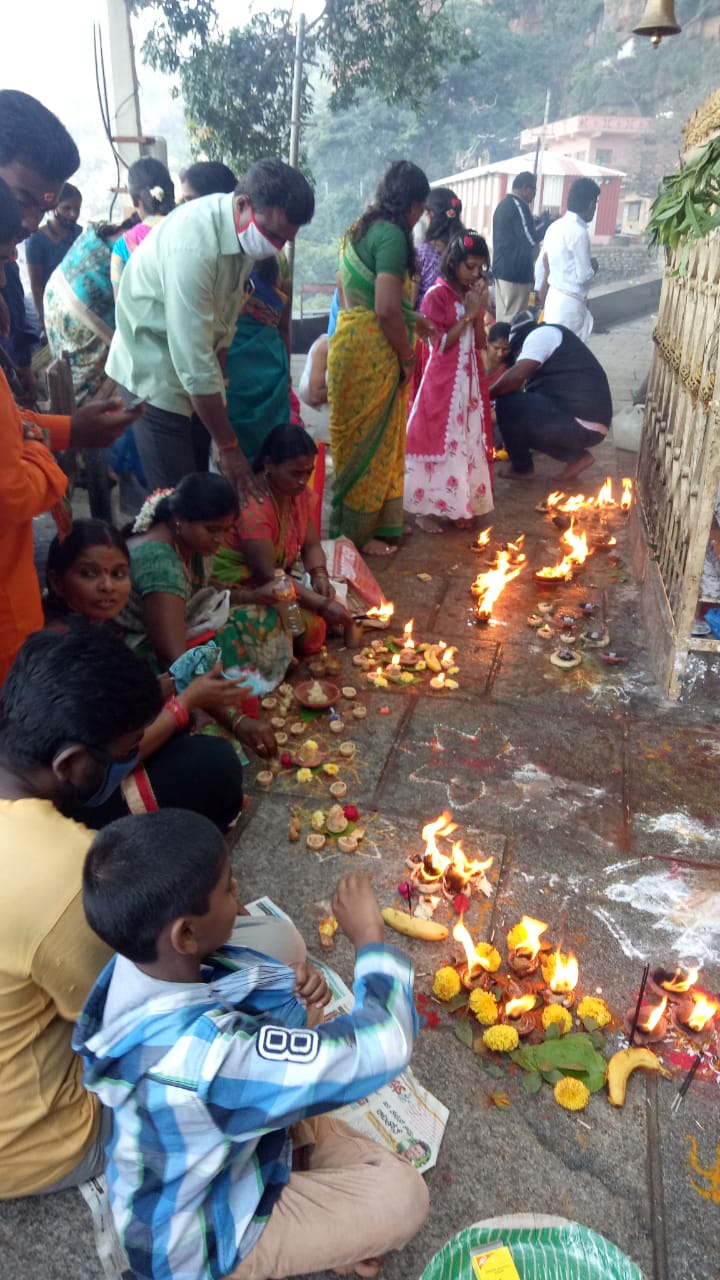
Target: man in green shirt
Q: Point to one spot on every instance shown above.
(181, 293)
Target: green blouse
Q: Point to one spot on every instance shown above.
(156, 567)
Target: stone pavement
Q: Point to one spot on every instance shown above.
(598, 799)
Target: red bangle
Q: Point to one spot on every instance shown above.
(178, 711)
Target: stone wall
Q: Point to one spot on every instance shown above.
(625, 262)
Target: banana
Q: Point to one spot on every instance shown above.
(622, 1065)
(431, 658)
(412, 926)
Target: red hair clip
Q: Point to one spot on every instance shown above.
(454, 202)
(468, 242)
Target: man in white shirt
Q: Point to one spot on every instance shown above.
(565, 269)
(555, 400)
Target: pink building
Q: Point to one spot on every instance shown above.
(603, 140)
(482, 189)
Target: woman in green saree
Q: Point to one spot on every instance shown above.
(370, 363)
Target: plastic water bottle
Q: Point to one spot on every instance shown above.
(286, 596)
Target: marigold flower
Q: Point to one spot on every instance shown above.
(501, 1039)
(406, 677)
(490, 954)
(331, 769)
(446, 983)
(572, 1094)
(557, 1015)
(304, 775)
(484, 1006)
(594, 1007)
(311, 745)
(515, 935)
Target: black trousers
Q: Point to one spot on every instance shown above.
(170, 446)
(530, 421)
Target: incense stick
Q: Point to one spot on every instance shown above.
(633, 1029)
(685, 1084)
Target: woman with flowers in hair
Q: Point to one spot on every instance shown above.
(370, 363)
(444, 210)
(153, 196)
(448, 477)
(174, 606)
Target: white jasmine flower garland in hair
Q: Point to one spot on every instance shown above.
(158, 194)
(146, 515)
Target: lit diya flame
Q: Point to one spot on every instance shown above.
(578, 544)
(516, 549)
(519, 1005)
(678, 983)
(651, 1020)
(462, 869)
(489, 586)
(408, 642)
(575, 503)
(383, 612)
(561, 972)
(605, 495)
(627, 493)
(702, 1012)
(475, 965)
(528, 941)
(448, 657)
(553, 499)
(434, 862)
(483, 538)
(559, 572)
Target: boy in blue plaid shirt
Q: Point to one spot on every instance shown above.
(204, 1053)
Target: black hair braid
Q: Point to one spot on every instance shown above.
(402, 184)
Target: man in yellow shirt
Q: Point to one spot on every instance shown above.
(72, 713)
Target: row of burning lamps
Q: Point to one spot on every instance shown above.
(680, 1001)
(510, 561)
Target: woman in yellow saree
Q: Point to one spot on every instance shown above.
(370, 363)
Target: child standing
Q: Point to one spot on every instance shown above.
(207, 1065)
(448, 472)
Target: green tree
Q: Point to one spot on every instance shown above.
(236, 87)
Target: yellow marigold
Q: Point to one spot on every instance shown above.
(331, 769)
(484, 1006)
(311, 745)
(501, 1038)
(446, 983)
(594, 1007)
(572, 1094)
(557, 1014)
(304, 775)
(406, 677)
(490, 954)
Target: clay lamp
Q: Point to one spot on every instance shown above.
(561, 975)
(696, 1014)
(518, 1014)
(427, 871)
(652, 1023)
(674, 984)
(461, 870)
(394, 670)
(473, 970)
(524, 951)
(552, 576)
(588, 607)
(408, 654)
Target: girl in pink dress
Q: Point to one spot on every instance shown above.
(448, 472)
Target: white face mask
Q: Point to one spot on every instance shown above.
(254, 242)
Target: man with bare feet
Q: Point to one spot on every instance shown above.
(555, 400)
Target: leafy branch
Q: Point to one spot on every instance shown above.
(687, 207)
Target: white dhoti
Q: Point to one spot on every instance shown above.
(570, 310)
